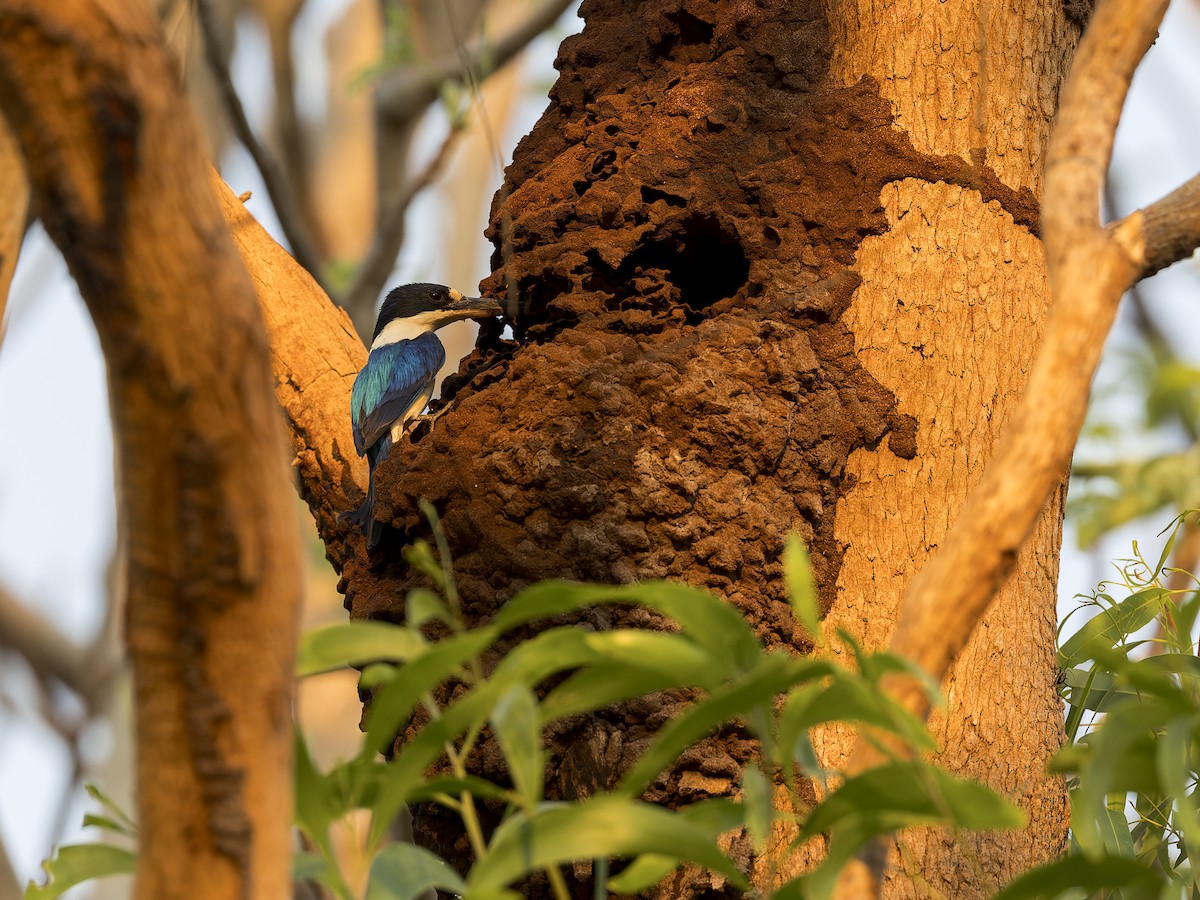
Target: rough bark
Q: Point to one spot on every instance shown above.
(950, 314)
(315, 356)
(114, 159)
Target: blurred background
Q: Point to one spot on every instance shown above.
(289, 88)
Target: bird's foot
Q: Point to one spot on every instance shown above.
(425, 422)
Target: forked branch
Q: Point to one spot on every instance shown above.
(1090, 268)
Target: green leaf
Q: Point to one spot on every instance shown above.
(673, 655)
(77, 863)
(422, 605)
(453, 787)
(405, 871)
(92, 820)
(309, 867)
(708, 620)
(794, 745)
(906, 793)
(420, 556)
(529, 663)
(354, 644)
(1150, 830)
(874, 667)
(407, 770)
(1114, 830)
(393, 704)
(1094, 689)
(1181, 622)
(515, 724)
(601, 685)
(376, 675)
(1120, 756)
(1112, 626)
(775, 674)
(315, 809)
(820, 882)
(1081, 873)
(756, 797)
(603, 826)
(646, 870)
(715, 817)
(848, 698)
(802, 587)
(118, 815)
(1176, 772)
(886, 799)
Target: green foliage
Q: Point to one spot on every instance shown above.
(1131, 680)
(566, 671)
(1105, 495)
(76, 863)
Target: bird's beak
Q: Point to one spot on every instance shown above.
(477, 307)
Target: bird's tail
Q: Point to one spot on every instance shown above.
(364, 517)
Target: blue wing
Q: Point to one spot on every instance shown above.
(393, 378)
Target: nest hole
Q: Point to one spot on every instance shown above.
(701, 258)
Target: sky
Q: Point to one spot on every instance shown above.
(56, 494)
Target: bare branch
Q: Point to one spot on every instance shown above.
(371, 275)
(1170, 227)
(279, 17)
(49, 652)
(283, 197)
(405, 93)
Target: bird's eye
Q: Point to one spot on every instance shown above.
(435, 296)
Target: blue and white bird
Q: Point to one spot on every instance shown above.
(395, 385)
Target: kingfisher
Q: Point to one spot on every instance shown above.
(395, 385)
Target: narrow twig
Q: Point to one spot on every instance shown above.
(359, 299)
(282, 198)
(50, 653)
(287, 130)
(404, 93)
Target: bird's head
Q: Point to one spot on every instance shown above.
(430, 306)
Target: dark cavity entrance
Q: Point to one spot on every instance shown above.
(701, 258)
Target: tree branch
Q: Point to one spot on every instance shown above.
(279, 17)
(1169, 227)
(115, 163)
(315, 356)
(405, 93)
(283, 198)
(50, 653)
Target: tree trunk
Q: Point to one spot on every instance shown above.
(779, 271)
(213, 552)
